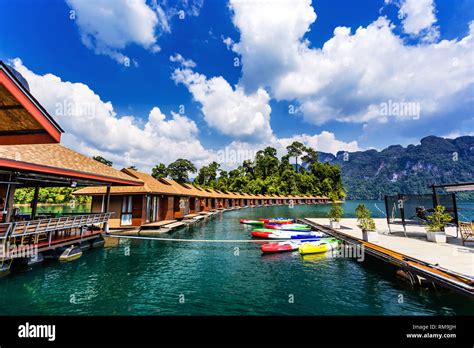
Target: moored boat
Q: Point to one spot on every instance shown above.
(288, 227)
(288, 246)
(318, 247)
(286, 235)
(280, 221)
(70, 253)
(251, 222)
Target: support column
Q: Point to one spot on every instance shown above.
(9, 201)
(106, 208)
(34, 204)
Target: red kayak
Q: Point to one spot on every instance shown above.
(279, 247)
(277, 221)
(260, 234)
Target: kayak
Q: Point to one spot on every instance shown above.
(292, 235)
(271, 230)
(251, 222)
(318, 247)
(287, 246)
(287, 235)
(288, 227)
(280, 221)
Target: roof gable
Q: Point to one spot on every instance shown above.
(24, 120)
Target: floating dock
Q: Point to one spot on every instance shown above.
(448, 265)
(166, 226)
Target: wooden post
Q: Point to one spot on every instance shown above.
(34, 204)
(106, 208)
(435, 196)
(9, 200)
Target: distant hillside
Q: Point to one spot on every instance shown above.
(371, 174)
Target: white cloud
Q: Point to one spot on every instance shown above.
(93, 127)
(323, 142)
(270, 33)
(229, 110)
(228, 42)
(107, 27)
(418, 18)
(354, 72)
(178, 58)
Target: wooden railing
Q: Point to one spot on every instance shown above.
(45, 226)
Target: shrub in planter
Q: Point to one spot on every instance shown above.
(366, 223)
(436, 224)
(335, 214)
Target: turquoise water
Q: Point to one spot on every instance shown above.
(149, 277)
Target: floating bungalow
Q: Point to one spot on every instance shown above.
(165, 199)
(31, 156)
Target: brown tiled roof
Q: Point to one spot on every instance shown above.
(203, 192)
(58, 159)
(216, 193)
(183, 190)
(150, 185)
(191, 190)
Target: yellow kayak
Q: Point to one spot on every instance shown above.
(318, 247)
(71, 253)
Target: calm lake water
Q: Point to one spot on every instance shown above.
(149, 277)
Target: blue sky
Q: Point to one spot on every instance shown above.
(337, 83)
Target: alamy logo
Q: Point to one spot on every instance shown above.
(37, 331)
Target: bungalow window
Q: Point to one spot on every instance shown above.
(126, 217)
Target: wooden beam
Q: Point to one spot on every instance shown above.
(11, 107)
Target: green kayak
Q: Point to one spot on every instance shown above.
(251, 222)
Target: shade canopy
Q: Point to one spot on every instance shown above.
(457, 187)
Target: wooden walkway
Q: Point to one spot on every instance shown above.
(448, 264)
(158, 223)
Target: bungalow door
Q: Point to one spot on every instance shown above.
(126, 213)
(152, 209)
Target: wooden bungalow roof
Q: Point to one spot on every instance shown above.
(202, 192)
(57, 160)
(250, 196)
(178, 188)
(214, 193)
(150, 185)
(23, 119)
(232, 195)
(191, 190)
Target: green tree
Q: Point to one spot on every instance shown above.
(179, 170)
(266, 162)
(310, 157)
(295, 150)
(207, 175)
(159, 171)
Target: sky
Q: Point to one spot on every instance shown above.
(141, 82)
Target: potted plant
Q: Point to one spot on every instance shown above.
(335, 214)
(436, 224)
(366, 224)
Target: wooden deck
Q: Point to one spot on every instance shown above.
(450, 262)
(158, 223)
